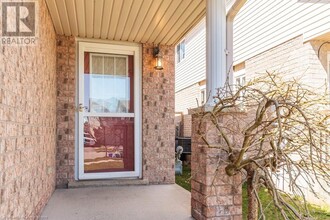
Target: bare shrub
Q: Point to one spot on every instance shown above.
(285, 127)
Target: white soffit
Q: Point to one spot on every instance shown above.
(141, 21)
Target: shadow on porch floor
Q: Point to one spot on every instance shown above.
(161, 202)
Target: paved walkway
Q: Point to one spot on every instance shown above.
(155, 202)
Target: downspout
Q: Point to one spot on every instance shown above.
(231, 14)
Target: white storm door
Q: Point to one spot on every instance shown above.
(109, 111)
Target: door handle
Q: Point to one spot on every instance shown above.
(80, 108)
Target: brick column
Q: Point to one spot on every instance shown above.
(65, 110)
(214, 194)
(158, 139)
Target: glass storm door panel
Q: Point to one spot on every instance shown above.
(106, 112)
(108, 144)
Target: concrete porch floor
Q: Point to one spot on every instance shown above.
(159, 202)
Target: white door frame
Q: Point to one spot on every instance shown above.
(113, 49)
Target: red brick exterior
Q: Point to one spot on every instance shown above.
(215, 195)
(28, 123)
(157, 112)
(158, 138)
(65, 109)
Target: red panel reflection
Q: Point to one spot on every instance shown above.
(108, 144)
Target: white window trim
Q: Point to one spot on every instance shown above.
(124, 49)
(201, 89)
(91, 55)
(238, 74)
(178, 56)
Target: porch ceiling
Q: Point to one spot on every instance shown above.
(141, 21)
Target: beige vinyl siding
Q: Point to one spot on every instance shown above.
(140, 21)
(263, 24)
(192, 68)
(184, 100)
(187, 98)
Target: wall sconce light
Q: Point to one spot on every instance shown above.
(159, 58)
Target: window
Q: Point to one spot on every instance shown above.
(239, 80)
(202, 93)
(108, 83)
(180, 51)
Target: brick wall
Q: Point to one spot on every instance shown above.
(66, 93)
(157, 113)
(186, 126)
(28, 123)
(183, 125)
(214, 194)
(294, 58)
(286, 58)
(158, 116)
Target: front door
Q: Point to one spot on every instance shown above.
(108, 103)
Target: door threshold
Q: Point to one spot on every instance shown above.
(105, 183)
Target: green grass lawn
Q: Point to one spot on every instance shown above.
(269, 208)
(184, 179)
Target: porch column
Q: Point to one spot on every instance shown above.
(214, 194)
(215, 46)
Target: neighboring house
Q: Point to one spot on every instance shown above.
(289, 37)
(284, 36)
(190, 84)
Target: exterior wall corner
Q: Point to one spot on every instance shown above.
(65, 110)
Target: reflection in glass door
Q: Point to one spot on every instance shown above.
(108, 144)
(107, 115)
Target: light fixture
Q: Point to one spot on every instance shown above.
(159, 58)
